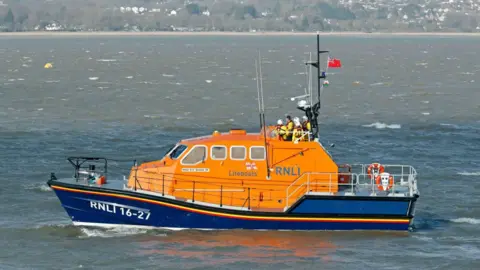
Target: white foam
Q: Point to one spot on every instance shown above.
(469, 173)
(466, 220)
(379, 125)
(106, 60)
(167, 75)
(111, 232)
(38, 186)
(93, 78)
(449, 125)
(129, 229)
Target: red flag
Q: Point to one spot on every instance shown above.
(334, 63)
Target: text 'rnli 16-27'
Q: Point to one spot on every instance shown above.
(121, 209)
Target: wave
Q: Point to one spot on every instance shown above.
(379, 125)
(106, 60)
(69, 230)
(466, 220)
(469, 173)
(38, 187)
(449, 125)
(109, 233)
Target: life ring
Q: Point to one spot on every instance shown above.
(384, 181)
(376, 166)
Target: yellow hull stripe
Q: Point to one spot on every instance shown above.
(236, 216)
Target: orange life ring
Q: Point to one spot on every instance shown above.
(377, 166)
(378, 180)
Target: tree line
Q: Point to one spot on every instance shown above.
(266, 15)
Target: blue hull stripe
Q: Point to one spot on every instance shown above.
(113, 208)
(352, 207)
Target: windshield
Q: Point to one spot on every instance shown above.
(169, 149)
(177, 151)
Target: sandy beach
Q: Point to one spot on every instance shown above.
(91, 34)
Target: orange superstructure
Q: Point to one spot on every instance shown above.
(236, 168)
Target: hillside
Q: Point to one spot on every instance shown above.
(236, 15)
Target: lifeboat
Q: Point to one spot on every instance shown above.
(272, 179)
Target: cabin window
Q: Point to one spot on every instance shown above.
(257, 153)
(238, 152)
(177, 151)
(196, 155)
(218, 152)
(170, 149)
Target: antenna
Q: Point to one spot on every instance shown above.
(312, 111)
(258, 94)
(261, 108)
(310, 86)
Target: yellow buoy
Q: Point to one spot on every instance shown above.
(48, 65)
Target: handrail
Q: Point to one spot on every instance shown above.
(235, 195)
(360, 183)
(198, 194)
(309, 183)
(301, 138)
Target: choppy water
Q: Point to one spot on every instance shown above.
(408, 100)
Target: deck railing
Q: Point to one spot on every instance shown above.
(200, 192)
(361, 184)
(203, 191)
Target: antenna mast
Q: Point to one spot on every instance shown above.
(312, 111)
(261, 108)
(258, 94)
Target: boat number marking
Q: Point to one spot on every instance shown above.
(121, 209)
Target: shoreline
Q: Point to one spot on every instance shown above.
(213, 33)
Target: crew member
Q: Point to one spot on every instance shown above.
(281, 130)
(298, 131)
(307, 127)
(290, 127)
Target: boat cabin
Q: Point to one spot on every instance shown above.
(239, 165)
